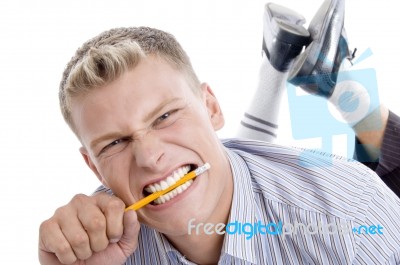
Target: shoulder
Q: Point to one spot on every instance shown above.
(306, 160)
(307, 179)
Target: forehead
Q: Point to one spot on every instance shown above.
(132, 96)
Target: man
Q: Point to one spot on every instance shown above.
(377, 129)
(142, 116)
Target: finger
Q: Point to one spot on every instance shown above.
(114, 209)
(46, 258)
(129, 239)
(74, 232)
(53, 246)
(94, 223)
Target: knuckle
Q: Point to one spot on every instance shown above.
(45, 226)
(61, 211)
(97, 223)
(100, 245)
(79, 240)
(48, 227)
(116, 204)
(63, 249)
(79, 199)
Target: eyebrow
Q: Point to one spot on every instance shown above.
(115, 135)
(159, 108)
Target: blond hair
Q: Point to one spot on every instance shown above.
(107, 56)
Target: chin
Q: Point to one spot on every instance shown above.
(176, 222)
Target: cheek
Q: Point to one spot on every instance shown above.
(196, 134)
(195, 122)
(116, 171)
(109, 165)
(187, 132)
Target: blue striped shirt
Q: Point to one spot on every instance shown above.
(281, 185)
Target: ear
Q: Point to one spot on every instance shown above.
(213, 108)
(91, 165)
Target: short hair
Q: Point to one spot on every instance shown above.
(107, 56)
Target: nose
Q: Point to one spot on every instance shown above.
(149, 152)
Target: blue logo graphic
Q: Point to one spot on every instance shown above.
(346, 103)
(311, 118)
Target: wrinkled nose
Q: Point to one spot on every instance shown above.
(149, 152)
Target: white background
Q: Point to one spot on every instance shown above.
(40, 166)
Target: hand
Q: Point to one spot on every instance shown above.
(89, 230)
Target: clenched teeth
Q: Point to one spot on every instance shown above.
(169, 181)
(173, 193)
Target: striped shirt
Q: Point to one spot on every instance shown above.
(281, 185)
(388, 165)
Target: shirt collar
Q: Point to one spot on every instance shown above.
(242, 211)
(172, 254)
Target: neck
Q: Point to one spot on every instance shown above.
(204, 245)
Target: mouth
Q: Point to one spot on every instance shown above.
(167, 182)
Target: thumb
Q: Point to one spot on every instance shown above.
(129, 239)
(118, 253)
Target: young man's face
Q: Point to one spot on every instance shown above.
(147, 126)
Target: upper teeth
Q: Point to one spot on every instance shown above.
(171, 180)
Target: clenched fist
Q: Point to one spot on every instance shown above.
(89, 230)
